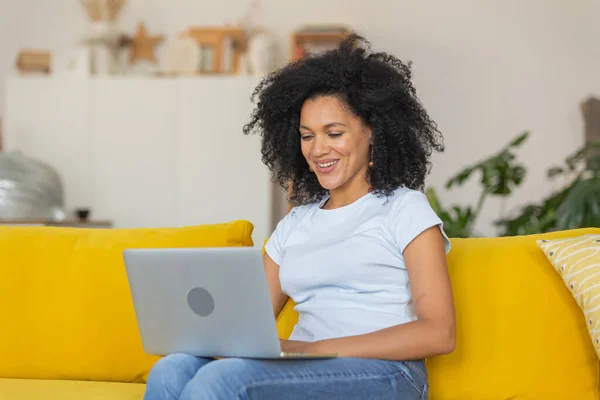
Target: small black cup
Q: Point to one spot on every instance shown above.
(82, 213)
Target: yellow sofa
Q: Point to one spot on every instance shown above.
(68, 328)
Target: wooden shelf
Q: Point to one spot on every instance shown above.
(315, 35)
(319, 36)
(214, 37)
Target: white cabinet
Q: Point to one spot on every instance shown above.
(146, 152)
(221, 175)
(134, 150)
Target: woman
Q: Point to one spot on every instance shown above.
(362, 253)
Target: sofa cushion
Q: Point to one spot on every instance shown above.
(67, 311)
(577, 261)
(27, 389)
(520, 334)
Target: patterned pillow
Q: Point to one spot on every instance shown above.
(577, 260)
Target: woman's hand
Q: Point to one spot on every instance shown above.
(297, 346)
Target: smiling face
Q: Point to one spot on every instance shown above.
(336, 145)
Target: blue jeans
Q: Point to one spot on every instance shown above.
(185, 377)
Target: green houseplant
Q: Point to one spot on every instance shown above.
(575, 205)
(499, 175)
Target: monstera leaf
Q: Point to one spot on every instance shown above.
(533, 218)
(457, 220)
(581, 206)
(576, 205)
(499, 175)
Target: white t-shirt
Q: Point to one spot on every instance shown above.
(344, 267)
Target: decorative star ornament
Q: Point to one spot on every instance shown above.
(142, 46)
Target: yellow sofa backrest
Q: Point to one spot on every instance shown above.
(67, 312)
(66, 307)
(520, 334)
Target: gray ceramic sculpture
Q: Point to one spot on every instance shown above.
(29, 189)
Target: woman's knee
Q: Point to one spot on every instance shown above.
(168, 377)
(222, 379)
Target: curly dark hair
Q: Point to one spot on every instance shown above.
(376, 87)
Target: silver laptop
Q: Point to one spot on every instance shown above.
(208, 302)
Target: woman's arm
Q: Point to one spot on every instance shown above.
(278, 298)
(433, 333)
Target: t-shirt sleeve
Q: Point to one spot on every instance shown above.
(276, 242)
(411, 215)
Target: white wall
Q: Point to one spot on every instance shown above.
(485, 70)
(145, 152)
